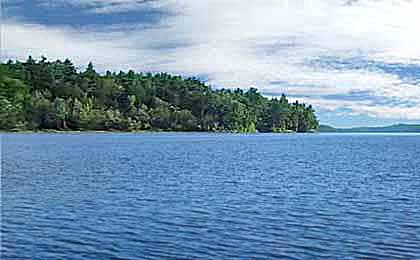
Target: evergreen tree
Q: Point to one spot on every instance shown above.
(41, 94)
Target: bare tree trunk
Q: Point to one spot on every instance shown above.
(64, 124)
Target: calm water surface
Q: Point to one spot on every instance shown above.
(210, 196)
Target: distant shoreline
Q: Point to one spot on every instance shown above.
(397, 128)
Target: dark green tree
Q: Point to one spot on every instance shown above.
(42, 94)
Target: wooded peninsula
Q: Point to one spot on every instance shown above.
(41, 95)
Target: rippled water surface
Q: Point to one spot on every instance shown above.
(210, 196)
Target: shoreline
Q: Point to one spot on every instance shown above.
(141, 132)
(63, 132)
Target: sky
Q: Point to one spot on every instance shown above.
(356, 61)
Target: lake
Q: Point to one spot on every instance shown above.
(210, 196)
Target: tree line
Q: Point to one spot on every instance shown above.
(43, 94)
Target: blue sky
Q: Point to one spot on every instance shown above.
(357, 62)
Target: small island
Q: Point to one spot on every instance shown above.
(53, 95)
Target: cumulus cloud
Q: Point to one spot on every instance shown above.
(266, 44)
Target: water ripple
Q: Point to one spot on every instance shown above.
(209, 196)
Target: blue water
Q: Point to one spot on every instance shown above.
(210, 196)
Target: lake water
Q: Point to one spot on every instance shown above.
(210, 196)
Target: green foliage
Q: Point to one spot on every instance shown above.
(9, 114)
(41, 94)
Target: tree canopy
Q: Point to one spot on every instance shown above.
(39, 95)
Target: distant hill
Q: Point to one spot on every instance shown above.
(327, 129)
(399, 128)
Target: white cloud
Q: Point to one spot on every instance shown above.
(114, 50)
(366, 108)
(253, 43)
(104, 6)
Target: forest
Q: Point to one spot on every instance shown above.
(40, 95)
